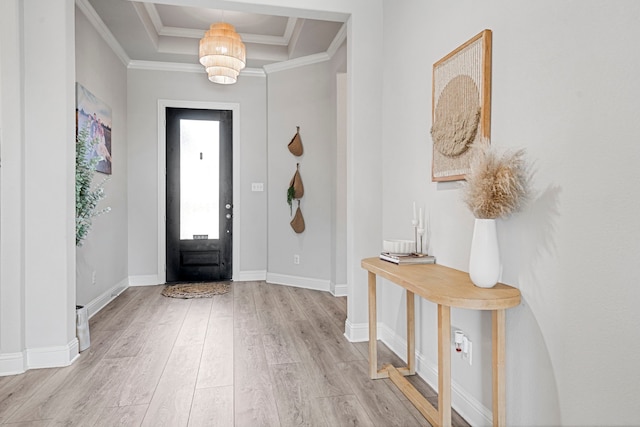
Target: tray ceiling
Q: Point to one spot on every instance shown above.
(169, 33)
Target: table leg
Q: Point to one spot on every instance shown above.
(373, 328)
(411, 333)
(499, 389)
(444, 365)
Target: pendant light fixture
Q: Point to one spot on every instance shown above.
(222, 53)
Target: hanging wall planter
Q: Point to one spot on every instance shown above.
(296, 188)
(296, 191)
(297, 223)
(295, 146)
(296, 183)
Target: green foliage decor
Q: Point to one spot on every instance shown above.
(87, 198)
(290, 196)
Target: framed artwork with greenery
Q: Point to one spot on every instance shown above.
(95, 116)
(93, 153)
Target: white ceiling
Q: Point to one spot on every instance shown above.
(166, 34)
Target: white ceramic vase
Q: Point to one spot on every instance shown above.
(484, 260)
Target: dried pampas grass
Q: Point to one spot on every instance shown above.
(498, 184)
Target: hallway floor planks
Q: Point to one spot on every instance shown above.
(260, 355)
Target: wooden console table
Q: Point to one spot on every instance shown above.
(447, 288)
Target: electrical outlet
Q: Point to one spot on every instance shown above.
(93, 278)
(458, 339)
(296, 259)
(463, 346)
(467, 351)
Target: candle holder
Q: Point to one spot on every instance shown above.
(414, 222)
(419, 234)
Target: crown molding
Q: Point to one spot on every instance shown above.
(148, 22)
(162, 30)
(151, 19)
(184, 68)
(295, 36)
(288, 31)
(165, 66)
(246, 37)
(95, 20)
(154, 16)
(253, 72)
(297, 62)
(337, 41)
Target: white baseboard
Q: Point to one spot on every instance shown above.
(356, 332)
(340, 290)
(34, 358)
(101, 301)
(60, 356)
(300, 282)
(469, 408)
(13, 363)
(152, 279)
(144, 280)
(251, 276)
(52, 357)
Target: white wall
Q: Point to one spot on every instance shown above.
(53, 297)
(38, 255)
(145, 88)
(565, 88)
(301, 97)
(340, 242)
(339, 219)
(364, 177)
(104, 251)
(12, 195)
(49, 178)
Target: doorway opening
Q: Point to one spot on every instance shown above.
(199, 195)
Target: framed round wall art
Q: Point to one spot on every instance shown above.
(461, 106)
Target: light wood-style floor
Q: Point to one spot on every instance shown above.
(261, 355)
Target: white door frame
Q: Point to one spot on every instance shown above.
(162, 183)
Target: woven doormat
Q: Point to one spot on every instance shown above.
(196, 290)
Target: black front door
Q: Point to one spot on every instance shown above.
(199, 195)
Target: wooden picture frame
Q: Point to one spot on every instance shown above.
(461, 106)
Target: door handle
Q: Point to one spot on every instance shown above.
(228, 216)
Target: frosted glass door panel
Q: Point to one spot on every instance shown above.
(199, 179)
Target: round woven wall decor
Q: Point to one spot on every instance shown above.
(457, 116)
